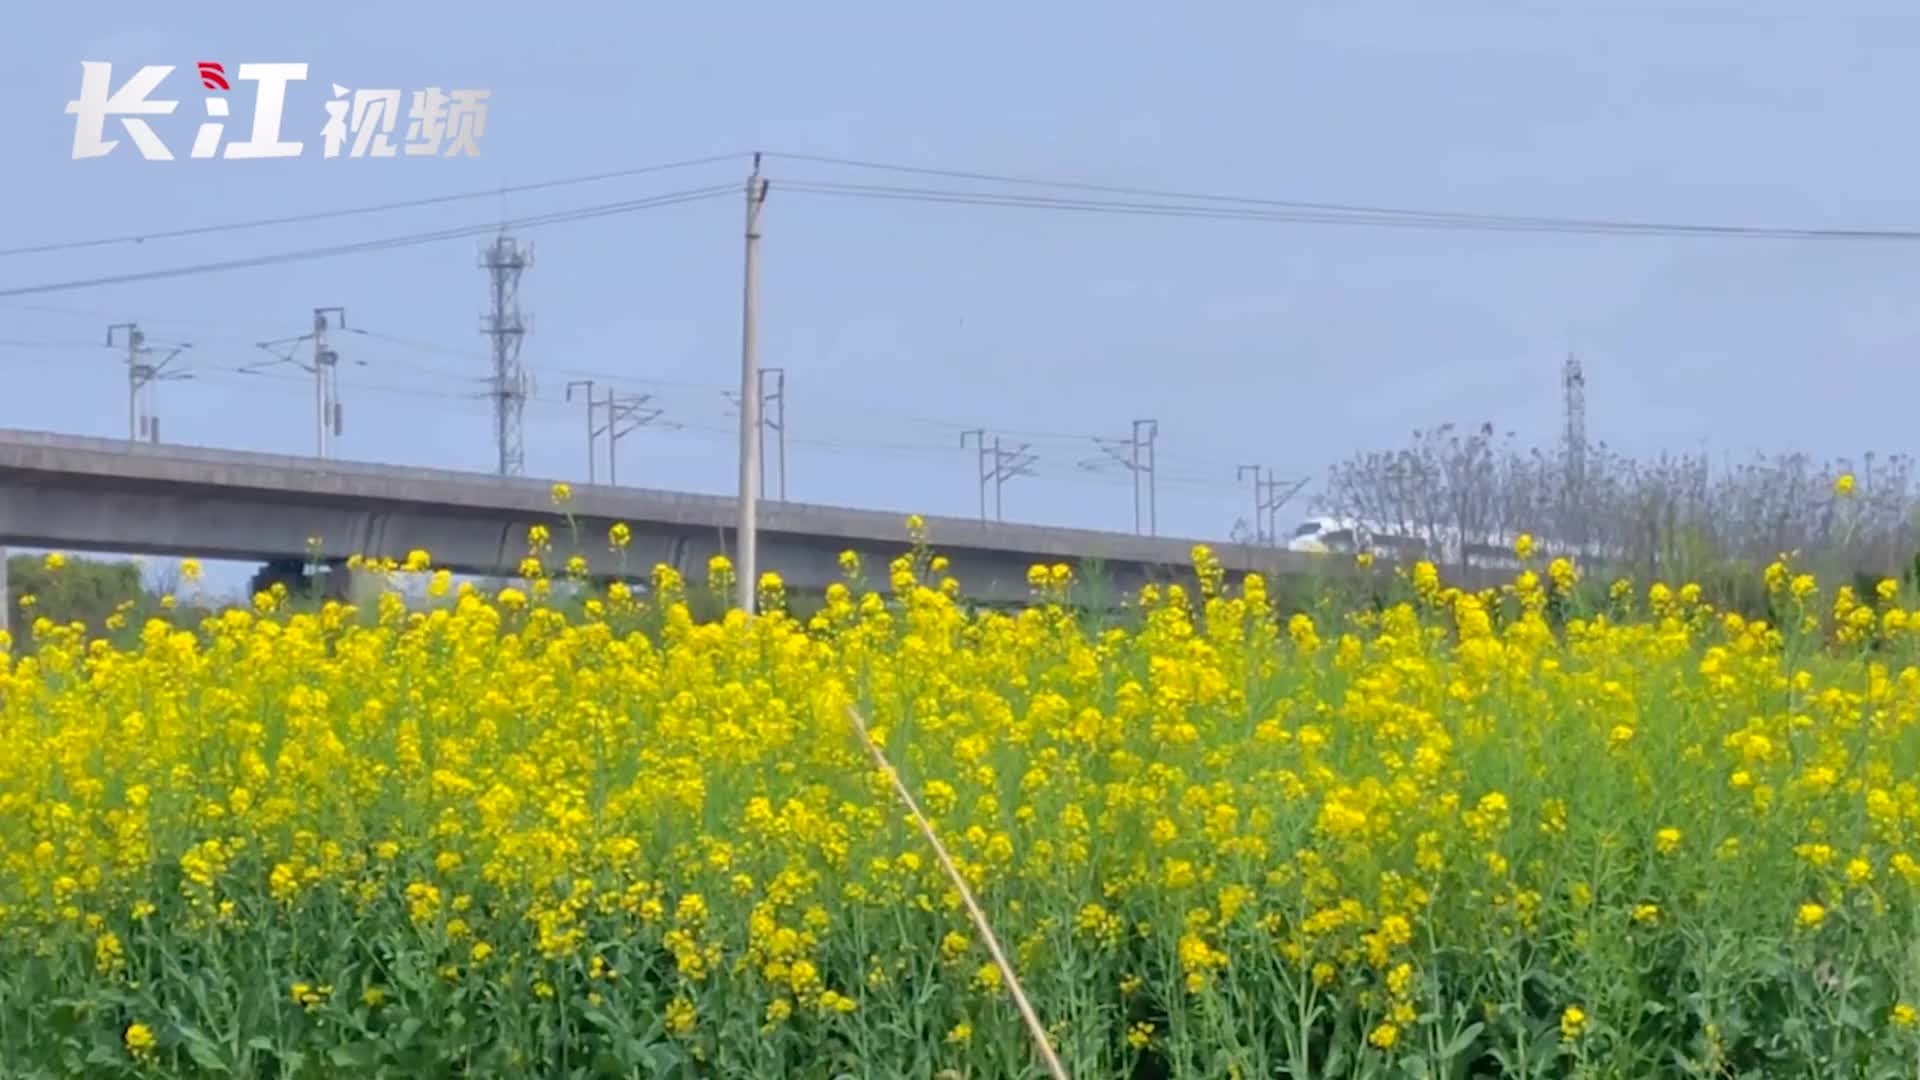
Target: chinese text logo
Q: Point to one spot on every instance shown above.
(363, 123)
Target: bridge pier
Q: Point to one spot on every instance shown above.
(350, 586)
(333, 582)
(290, 573)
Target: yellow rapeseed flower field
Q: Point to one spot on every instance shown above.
(501, 834)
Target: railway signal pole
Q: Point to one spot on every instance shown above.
(773, 417)
(1269, 495)
(326, 378)
(328, 413)
(1005, 465)
(593, 434)
(625, 413)
(1135, 454)
(143, 425)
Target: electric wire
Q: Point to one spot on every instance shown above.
(1364, 214)
(376, 208)
(388, 243)
(1185, 205)
(1391, 220)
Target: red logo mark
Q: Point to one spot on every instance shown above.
(213, 76)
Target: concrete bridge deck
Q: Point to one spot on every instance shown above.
(87, 494)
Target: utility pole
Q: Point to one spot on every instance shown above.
(1135, 454)
(593, 436)
(747, 585)
(1269, 495)
(997, 466)
(504, 260)
(142, 372)
(625, 413)
(773, 417)
(328, 412)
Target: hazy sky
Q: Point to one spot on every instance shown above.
(902, 323)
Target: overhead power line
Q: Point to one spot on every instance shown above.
(475, 353)
(22, 343)
(1367, 213)
(1158, 193)
(1140, 201)
(674, 198)
(1378, 219)
(1165, 202)
(376, 208)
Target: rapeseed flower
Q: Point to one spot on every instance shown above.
(1810, 916)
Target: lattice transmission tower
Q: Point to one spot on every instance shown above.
(504, 260)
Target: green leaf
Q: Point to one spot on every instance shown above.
(1545, 1044)
(357, 1055)
(1336, 1062)
(1460, 1043)
(662, 1058)
(205, 1054)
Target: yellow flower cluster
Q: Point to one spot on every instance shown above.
(1224, 834)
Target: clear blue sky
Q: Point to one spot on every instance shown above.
(1286, 345)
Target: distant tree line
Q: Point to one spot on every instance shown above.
(87, 591)
(1666, 516)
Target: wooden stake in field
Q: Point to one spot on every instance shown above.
(1034, 1027)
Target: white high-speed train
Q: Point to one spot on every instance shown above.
(1349, 536)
